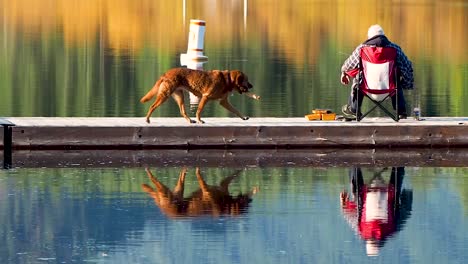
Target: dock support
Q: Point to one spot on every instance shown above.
(7, 142)
(7, 146)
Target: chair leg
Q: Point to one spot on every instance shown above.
(391, 115)
(358, 118)
(396, 107)
(395, 117)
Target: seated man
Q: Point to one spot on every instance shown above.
(376, 37)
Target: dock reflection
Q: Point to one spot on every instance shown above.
(376, 210)
(208, 200)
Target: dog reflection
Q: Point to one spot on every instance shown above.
(377, 209)
(207, 200)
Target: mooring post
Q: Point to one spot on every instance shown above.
(7, 142)
(194, 57)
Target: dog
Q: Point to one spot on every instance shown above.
(213, 200)
(207, 85)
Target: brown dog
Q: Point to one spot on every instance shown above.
(208, 85)
(214, 200)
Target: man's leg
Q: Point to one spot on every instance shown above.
(396, 179)
(401, 103)
(356, 179)
(354, 100)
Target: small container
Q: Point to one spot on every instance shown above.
(321, 111)
(417, 113)
(329, 117)
(311, 117)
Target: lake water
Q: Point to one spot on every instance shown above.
(99, 57)
(286, 214)
(285, 206)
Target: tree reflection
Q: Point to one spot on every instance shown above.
(214, 200)
(376, 210)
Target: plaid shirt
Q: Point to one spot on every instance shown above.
(402, 62)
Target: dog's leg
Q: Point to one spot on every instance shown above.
(207, 194)
(161, 98)
(201, 105)
(168, 202)
(178, 96)
(203, 186)
(161, 188)
(179, 189)
(225, 103)
(151, 192)
(161, 192)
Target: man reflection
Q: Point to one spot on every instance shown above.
(377, 210)
(213, 200)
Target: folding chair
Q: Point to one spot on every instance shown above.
(378, 79)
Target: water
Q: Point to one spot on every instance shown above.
(104, 215)
(98, 58)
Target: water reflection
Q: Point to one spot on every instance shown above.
(376, 209)
(98, 57)
(99, 213)
(208, 200)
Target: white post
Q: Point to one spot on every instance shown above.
(194, 65)
(195, 42)
(194, 57)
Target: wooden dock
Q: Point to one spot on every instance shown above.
(32, 133)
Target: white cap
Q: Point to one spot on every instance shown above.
(375, 30)
(372, 248)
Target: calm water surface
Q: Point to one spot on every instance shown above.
(99, 57)
(284, 215)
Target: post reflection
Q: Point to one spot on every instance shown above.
(376, 210)
(207, 200)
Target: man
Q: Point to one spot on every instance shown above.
(376, 38)
(376, 210)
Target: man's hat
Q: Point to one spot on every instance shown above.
(375, 30)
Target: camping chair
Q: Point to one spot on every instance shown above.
(378, 79)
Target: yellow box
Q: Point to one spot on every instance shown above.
(321, 111)
(331, 116)
(311, 117)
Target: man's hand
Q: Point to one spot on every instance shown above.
(344, 78)
(344, 197)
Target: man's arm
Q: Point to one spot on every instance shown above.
(405, 69)
(349, 67)
(352, 62)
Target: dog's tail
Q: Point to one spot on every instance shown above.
(152, 93)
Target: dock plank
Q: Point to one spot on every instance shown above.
(265, 132)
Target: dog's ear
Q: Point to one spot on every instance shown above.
(237, 77)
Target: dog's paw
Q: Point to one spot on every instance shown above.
(245, 118)
(147, 120)
(199, 121)
(192, 121)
